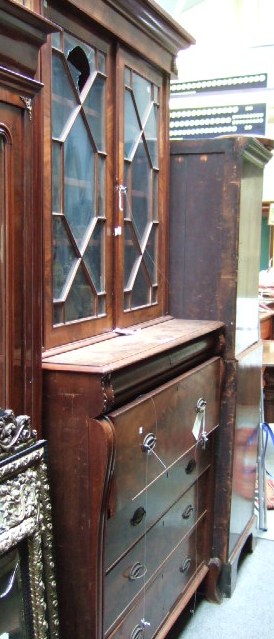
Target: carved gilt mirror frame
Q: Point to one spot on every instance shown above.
(28, 602)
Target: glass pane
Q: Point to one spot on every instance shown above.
(142, 95)
(56, 40)
(102, 305)
(127, 77)
(80, 302)
(154, 295)
(131, 254)
(141, 190)
(79, 188)
(151, 133)
(101, 187)
(94, 108)
(81, 60)
(101, 62)
(58, 317)
(63, 98)
(127, 301)
(94, 257)
(132, 130)
(56, 178)
(64, 258)
(155, 197)
(79, 68)
(150, 255)
(2, 276)
(141, 290)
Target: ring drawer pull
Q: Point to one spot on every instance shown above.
(149, 443)
(190, 466)
(186, 565)
(137, 632)
(138, 516)
(201, 405)
(188, 511)
(136, 571)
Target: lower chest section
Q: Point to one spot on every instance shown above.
(159, 515)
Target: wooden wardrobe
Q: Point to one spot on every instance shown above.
(215, 229)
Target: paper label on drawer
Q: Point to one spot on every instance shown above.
(198, 424)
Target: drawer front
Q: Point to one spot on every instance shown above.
(139, 514)
(156, 429)
(128, 577)
(155, 603)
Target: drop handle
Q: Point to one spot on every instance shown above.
(149, 443)
(185, 566)
(190, 466)
(187, 511)
(136, 571)
(138, 516)
(137, 632)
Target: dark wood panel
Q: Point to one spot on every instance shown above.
(21, 296)
(215, 215)
(237, 450)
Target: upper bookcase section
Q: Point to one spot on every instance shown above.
(141, 24)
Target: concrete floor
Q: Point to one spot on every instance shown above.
(248, 614)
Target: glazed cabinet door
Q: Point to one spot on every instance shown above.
(141, 190)
(105, 206)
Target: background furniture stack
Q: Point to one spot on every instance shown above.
(215, 218)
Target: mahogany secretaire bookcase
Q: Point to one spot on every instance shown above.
(131, 396)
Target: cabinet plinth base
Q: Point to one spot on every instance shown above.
(229, 573)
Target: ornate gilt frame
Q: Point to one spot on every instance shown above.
(25, 514)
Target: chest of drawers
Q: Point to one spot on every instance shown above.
(133, 477)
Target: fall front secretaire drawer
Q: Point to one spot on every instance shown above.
(156, 429)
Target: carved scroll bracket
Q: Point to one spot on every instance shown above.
(28, 105)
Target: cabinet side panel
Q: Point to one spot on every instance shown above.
(80, 462)
(246, 442)
(196, 235)
(247, 317)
